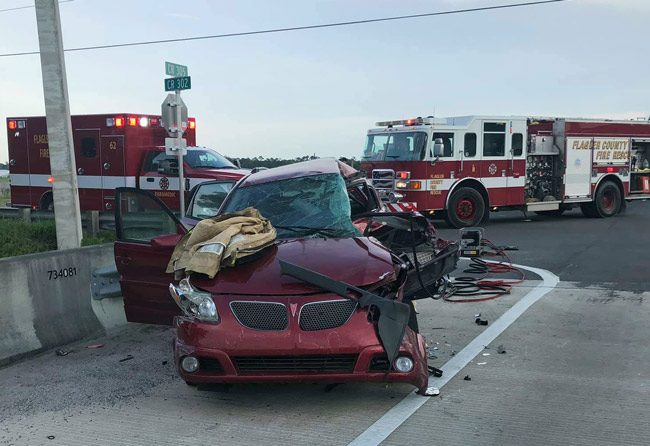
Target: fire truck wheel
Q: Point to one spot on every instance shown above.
(608, 199)
(47, 203)
(466, 208)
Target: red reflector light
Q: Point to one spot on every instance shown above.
(610, 169)
(119, 122)
(12, 125)
(133, 121)
(192, 124)
(403, 175)
(50, 180)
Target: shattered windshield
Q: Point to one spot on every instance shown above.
(316, 205)
(396, 146)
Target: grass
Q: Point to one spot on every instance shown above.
(18, 237)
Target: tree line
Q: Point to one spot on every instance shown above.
(260, 161)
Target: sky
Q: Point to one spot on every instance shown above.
(318, 91)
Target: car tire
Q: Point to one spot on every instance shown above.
(608, 200)
(466, 208)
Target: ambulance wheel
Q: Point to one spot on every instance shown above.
(466, 208)
(47, 202)
(608, 199)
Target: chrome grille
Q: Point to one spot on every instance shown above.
(326, 314)
(305, 364)
(269, 316)
(383, 179)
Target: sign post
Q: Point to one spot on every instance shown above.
(173, 109)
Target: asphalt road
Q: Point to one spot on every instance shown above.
(613, 253)
(575, 371)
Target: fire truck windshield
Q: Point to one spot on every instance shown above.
(395, 146)
(207, 159)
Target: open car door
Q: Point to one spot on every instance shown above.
(147, 233)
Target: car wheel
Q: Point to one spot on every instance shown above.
(466, 208)
(608, 199)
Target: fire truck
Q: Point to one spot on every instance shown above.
(464, 167)
(116, 150)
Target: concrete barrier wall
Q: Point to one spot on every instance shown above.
(45, 300)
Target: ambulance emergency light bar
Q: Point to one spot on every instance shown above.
(407, 122)
(118, 121)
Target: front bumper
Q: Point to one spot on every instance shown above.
(229, 352)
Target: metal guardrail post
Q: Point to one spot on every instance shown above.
(94, 223)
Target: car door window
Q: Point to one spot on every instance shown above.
(140, 216)
(207, 199)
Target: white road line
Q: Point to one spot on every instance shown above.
(395, 417)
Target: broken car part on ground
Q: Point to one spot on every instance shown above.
(329, 300)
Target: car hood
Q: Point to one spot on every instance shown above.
(358, 261)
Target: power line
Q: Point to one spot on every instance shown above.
(29, 6)
(296, 28)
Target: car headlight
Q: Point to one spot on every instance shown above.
(194, 302)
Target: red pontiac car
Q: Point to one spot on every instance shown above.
(330, 301)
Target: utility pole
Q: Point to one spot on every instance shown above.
(59, 129)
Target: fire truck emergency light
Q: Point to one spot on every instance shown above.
(12, 125)
(50, 180)
(407, 122)
(144, 121)
(133, 121)
(403, 175)
(119, 121)
(192, 123)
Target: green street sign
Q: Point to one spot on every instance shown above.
(175, 70)
(178, 83)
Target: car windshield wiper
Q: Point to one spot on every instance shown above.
(308, 230)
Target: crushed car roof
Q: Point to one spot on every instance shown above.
(297, 170)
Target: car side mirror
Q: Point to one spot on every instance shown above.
(237, 163)
(438, 148)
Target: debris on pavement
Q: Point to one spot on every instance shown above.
(467, 378)
(431, 391)
(486, 354)
(126, 358)
(95, 346)
(50, 437)
(501, 349)
(61, 352)
(480, 321)
(482, 363)
(432, 354)
(435, 371)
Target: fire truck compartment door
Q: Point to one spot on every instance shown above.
(147, 232)
(577, 177)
